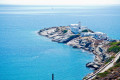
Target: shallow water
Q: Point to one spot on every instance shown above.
(24, 55)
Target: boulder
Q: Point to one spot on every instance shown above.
(93, 65)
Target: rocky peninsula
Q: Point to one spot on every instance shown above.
(86, 39)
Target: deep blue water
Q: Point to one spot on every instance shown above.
(24, 55)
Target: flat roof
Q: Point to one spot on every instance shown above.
(74, 24)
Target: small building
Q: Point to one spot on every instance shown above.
(96, 35)
(100, 35)
(86, 34)
(77, 28)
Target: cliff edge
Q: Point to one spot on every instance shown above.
(95, 42)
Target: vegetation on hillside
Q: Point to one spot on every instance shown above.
(113, 72)
(103, 74)
(110, 74)
(114, 47)
(85, 30)
(64, 31)
(110, 59)
(114, 43)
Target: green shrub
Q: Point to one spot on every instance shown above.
(64, 31)
(103, 74)
(110, 59)
(85, 30)
(73, 36)
(114, 49)
(117, 65)
(114, 43)
(118, 43)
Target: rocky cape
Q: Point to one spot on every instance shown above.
(64, 35)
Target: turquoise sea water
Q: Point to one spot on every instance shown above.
(24, 55)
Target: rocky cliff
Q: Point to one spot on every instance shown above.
(98, 47)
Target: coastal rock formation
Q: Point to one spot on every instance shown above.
(97, 43)
(93, 65)
(89, 43)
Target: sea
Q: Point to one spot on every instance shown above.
(25, 55)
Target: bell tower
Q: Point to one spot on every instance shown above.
(79, 25)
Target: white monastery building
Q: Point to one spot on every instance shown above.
(77, 28)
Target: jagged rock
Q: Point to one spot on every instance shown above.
(100, 49)
(93, 65)
(88, 44)
(75, 46)
(91, 49)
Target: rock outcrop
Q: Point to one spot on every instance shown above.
(93, 65)
(64, 35)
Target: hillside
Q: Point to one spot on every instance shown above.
(114, 72)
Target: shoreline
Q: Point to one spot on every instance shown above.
(87, 43)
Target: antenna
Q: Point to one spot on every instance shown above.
(79, 23)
